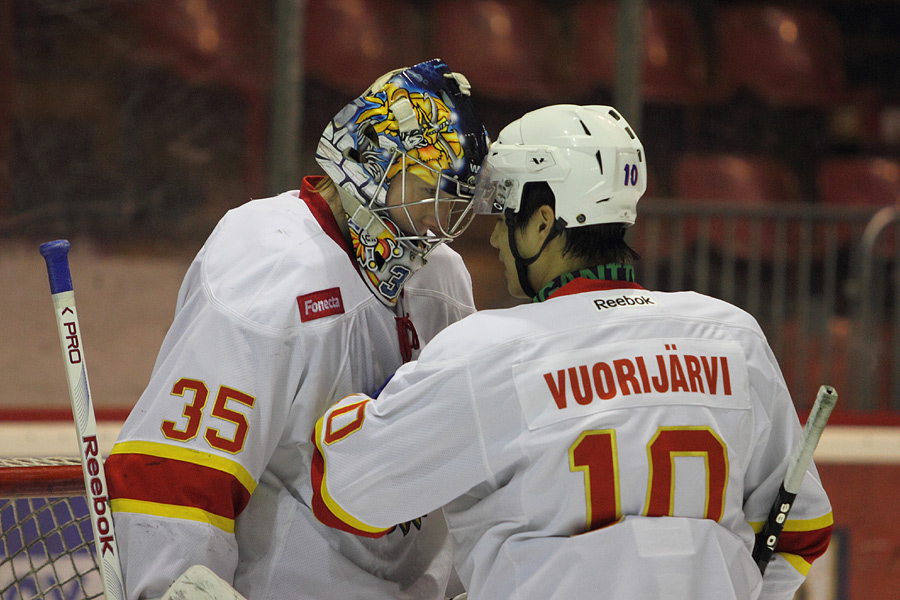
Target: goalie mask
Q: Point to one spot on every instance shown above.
(588, 155)
(413, 129)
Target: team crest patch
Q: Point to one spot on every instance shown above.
(320, 304)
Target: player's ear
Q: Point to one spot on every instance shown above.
(543, 219)
(533, 235)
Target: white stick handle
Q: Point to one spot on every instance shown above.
(812, 431)
(768, 537)
(62, 292)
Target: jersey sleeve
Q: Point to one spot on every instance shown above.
(807, 531)
(194, 447)
(388, 460)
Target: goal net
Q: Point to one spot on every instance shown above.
(46, 540)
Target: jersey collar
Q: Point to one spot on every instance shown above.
(610, 276)
(364, 250)
(323, 215)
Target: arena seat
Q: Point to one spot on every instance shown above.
(812, 352)
(732, 177)
(507, 48)
(861, 182)
(787, 55)
(224, 43)
(350, 43)
(752, 181)
(674, 65)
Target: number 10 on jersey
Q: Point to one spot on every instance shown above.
(595, 454)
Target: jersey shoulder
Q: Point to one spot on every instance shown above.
(478, 334)
(684, 313)
(700, 306)
(265, 254)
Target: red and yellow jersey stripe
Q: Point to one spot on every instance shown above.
(169, 481)
(325, 508)
(802, 540)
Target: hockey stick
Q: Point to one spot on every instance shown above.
(63, 294)
(796, 471)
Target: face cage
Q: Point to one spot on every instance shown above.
(458, 216)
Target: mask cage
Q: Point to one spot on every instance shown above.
(452, 206)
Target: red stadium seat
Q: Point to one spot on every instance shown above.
(748, 180)
(859, 181)
(787, 55)
(674, 66)
(350, 43)
(222, 43)
(507, 49)
(738, 180)
(863, 182)
(814, 353)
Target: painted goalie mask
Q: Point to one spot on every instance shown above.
(419, 124)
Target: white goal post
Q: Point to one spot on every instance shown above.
(46, 539)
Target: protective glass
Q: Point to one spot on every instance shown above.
(495, 191)
(508, 168)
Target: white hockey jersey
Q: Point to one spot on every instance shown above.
(273, 324)
(611, 442)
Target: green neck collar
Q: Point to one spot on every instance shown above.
(608, 272)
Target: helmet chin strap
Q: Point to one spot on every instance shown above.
(522, 263)
(359, 212)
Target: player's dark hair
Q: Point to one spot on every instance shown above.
(603, 243)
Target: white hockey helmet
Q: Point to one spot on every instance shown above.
(591, 158)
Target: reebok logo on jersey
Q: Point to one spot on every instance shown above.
(626, 300)
(320, 304)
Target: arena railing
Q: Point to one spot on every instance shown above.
(822, 281)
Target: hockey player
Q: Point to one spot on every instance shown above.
(292, 303)
(604, 441)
